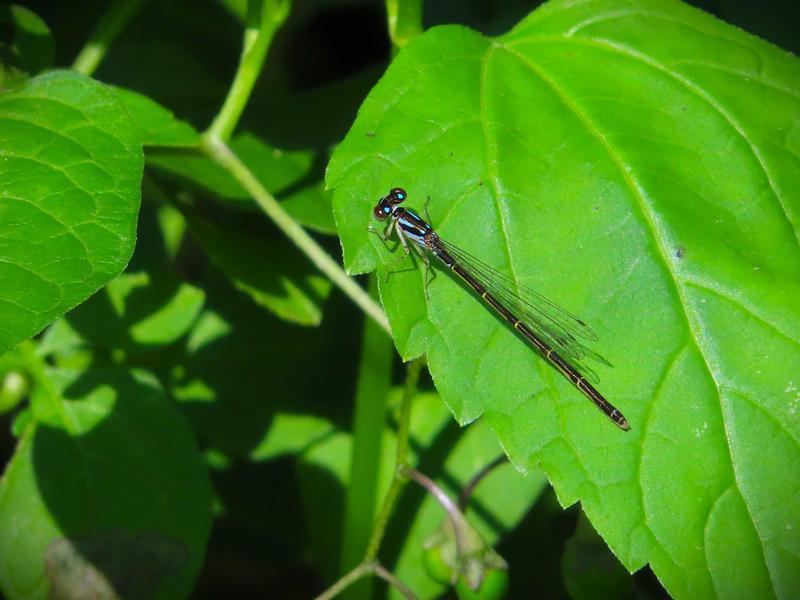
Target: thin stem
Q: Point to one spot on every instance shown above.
(362, 570)
(224, 156)
(264, 18)
(110, 26)
(404, 18)
(457, 518)
(349, 579)
(46, 401)
(426, 482)
(463, 499)
(369, 421)
(403, 432)
(381, 572)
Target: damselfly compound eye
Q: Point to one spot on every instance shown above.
(381, 210)
(397, 195)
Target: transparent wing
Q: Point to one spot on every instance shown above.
(562, 330)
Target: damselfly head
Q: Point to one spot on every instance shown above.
(384, 206)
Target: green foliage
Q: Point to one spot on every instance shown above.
(30, 48)
(100, 434)
(636, 162)
(70, 176)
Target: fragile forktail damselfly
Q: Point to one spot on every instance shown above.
(551, 330)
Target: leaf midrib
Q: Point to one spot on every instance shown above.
(693, 88)
(657, 234)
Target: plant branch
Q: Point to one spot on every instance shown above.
(463, 499)
(349, 579)
(264, 18)
(110, 26)
(224, 156)
(399, 480)
(362, 570)
(381, 572)
(457, 518)
(369, 422)
(404, 18)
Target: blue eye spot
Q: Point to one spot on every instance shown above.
(401, 196)
(386, 209)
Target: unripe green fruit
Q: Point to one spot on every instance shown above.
(493, 587)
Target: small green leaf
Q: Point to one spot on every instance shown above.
(294, 178)
(136, 312)
(157, 125)
(70, 174)
(247, 379)
(30, 49)
(264, 266)
(159, 310)
(106, 491)
(637, 163)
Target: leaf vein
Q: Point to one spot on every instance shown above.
(656, 232)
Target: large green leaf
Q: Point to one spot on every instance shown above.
(70, 173)
(637, 162)
(106, 493)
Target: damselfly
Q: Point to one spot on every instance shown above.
(551, 330)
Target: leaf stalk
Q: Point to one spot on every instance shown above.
(264, 18)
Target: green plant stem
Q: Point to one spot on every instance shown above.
(113, 22)
(264, 18)
(463, 498)
(400, 479)
(45, 400)
(349, 579)
(219, 151)
(372, 389)
(362, 570)
(381, 572)
(454, 514)
(404, 18)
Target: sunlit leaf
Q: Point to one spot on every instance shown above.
(157, 126)
(135, 313)
(637, 163)
(70, 175)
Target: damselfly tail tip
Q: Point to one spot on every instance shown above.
(619, 419)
